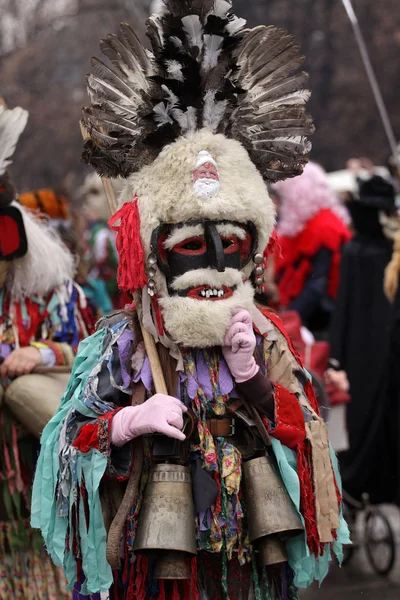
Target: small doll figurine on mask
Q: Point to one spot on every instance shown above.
(197, 126)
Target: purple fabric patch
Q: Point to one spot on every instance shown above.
(226, 383)
(203, 375)
(208, 516)
(124, 344)
(192, 387)
(5, 350)
(76, 595)
(145, 375)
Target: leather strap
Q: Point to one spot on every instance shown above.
(223, 427)
(235, 407)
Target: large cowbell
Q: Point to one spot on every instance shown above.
(272, 517)
(166, 528)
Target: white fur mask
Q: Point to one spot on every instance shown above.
(202, 324)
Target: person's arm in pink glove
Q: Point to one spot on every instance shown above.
(239, 346)
(238, 351)
(160, 414)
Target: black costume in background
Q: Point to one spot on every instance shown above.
(313, 304)
(360, 341)
(393, 418)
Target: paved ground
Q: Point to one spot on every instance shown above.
(357, 580)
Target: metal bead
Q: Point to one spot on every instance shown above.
(152, 260)
(258, 259)
(259, 271)
(259, 280)
(151, 283)
(150, 291)
(152, 272)
(259, 290)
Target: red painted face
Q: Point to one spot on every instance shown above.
(206, 171)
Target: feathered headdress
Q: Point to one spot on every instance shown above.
(12, 124)
(205, 71)
(13, 242)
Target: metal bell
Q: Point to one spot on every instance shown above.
(271, 551)
(272, 516)
(166, 527)
(172, 565)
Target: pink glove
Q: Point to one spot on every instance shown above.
(239, 345)
(159, 414)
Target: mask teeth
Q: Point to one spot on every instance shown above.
(212, 293)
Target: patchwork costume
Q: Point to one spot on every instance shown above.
(43, 317)
(223, 486)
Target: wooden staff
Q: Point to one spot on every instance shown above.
(60, 369)
(150, 345)
(132, 489)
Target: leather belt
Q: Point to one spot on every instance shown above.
(222, 427)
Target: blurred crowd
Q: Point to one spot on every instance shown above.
(87, 236)
(325, 277)
(336, 239)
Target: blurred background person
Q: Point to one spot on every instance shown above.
(360, 340)
(312, 231)
(102, 255)
(54, 208)
(43, 317)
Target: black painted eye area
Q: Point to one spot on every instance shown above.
(199, 251)
(227, 243)
(192, 245)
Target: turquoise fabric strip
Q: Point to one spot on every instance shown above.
(306, 566)
(44, 513)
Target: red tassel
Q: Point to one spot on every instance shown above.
(194, 590)
(307, 506)
(218, 505)
(116, 594)
(131, 271)
(141, 578)
(132, 573)
(312, 398)
(273, 245)
(161, 595)
(175, 593)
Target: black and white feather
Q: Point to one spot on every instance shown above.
(205, 70)
(12, 124)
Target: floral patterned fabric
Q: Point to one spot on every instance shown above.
(220, 528)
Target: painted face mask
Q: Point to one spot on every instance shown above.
(199, 259)
(203, 263)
